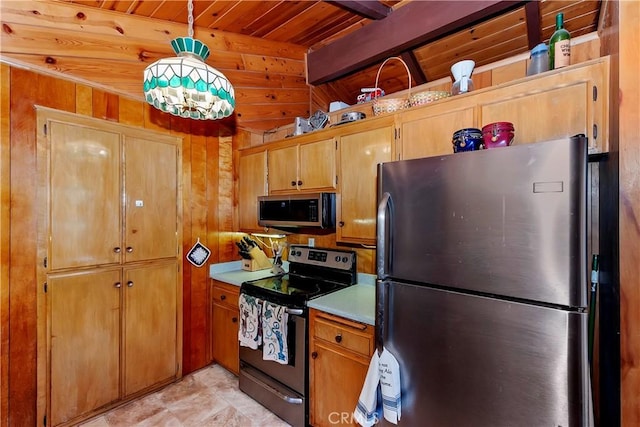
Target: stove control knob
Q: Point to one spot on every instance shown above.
(337, 258)
(345, 259)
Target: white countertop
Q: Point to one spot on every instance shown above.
(233, 274)
(356, 302)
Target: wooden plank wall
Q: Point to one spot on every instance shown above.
(629, 193)
(111, 50)
(5, 202)
(207, 206)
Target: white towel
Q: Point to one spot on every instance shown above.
(249, 334)
(390, 386)
(366, 412)
(274, 333)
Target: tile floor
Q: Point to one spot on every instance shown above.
(207, 398)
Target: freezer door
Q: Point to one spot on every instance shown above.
(468, 360)
(508, 221)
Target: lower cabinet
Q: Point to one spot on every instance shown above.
(113, 333)
(339, 354)
(224, 325)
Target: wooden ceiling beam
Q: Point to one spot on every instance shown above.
(414, 68)
(367, 9)
(406, 28)
(534, 24)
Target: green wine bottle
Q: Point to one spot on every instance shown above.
(559, 45)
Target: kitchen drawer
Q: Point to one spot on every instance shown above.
(224, 293)
(344, 333)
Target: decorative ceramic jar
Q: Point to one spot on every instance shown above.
(498, 134)
(468, 139)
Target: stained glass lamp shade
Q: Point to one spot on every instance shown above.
(186, 86)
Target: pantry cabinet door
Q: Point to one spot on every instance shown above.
(150, 325)
(84, 342)
(425, 134)
(151, 204)
(84, 196)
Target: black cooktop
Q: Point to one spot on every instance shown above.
(312, 272)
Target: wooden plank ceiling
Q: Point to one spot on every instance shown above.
(343, 42)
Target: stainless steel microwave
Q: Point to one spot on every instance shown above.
(297, 210)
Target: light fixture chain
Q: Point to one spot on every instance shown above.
(190, 19)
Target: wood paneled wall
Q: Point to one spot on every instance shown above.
(207, 205)
(628, 36)
(111, 50)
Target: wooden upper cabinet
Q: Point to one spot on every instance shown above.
(361, 148)
(308, 166)
(85, 204)
(252, 176)
(150, 325)
(317, 168)
(150, 199)
(554, 105)
(430, 132)
(550, 114)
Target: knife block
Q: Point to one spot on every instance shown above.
(252, 265)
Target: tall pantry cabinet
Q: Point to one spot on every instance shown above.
(109, 257)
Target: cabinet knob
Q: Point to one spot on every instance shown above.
(234, 320)
(339, 338)
(130, 283)
(223, 297)
(341, 223)
(116, 250)
(293, 183)
(314, 355)
(299, 182)
(129, 249)
(118, 285)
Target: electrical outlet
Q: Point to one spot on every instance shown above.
(312, 242)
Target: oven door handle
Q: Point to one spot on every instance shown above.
(288, 399)
(295, 311)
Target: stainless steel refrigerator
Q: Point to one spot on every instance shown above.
(482, 285)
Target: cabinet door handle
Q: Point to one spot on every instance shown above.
(129, 249)
(118, 285)
(341, 223)
(314, 355)
(223, 297)
(116, 250)
(130, 284)
(339, 338)
(234, 320)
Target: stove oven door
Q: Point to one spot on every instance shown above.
(281, 388)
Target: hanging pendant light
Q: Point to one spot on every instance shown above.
(186, 86)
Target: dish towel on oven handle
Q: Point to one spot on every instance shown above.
(274, 333)
(249, 334)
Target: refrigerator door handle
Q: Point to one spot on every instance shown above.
(383, 241)
(381, 308)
